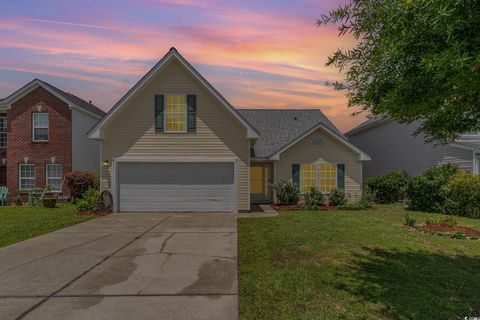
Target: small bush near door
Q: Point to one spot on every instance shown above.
(462, 195)
(286, 192)
(388, 188)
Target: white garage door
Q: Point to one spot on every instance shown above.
(181, 187)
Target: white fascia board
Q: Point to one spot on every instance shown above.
(80, 109)
(27, 89)
(363, 155)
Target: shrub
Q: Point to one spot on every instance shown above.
(82, 205)
(353, 206)
(448, 222)
(458, 235)
(367, 199)
(79, 181)
(286, 192)
(337, 197)
(90, 200)
(313, 199)
(424, 192)
(462, 195)
(410, 220)
(388, 188)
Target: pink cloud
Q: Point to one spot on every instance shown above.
(107, 51)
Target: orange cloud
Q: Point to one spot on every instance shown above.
(275, 61)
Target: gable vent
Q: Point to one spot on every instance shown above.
(317, 142)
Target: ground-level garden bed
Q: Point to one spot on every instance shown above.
(18, 223)
(355, 265)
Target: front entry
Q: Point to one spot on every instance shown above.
(260, 183)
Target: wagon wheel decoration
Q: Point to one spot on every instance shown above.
(106, 201)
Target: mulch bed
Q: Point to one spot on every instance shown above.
(328, 208)
(286, 207)
(93, 213)
(296, 207)
(442, 228)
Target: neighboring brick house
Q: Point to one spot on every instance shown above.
(43, 136)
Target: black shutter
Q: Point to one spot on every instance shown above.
(191, 113)
(159, 113)
(341, 176)
(296, 175)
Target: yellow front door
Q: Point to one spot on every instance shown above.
(259, 183)
(256, 179)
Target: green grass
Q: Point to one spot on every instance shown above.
(355, 265)
(20, 223)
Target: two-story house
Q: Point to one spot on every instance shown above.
(394, 146)
(43, 136)
(174, 143)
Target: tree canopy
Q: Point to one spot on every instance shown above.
(415, 60)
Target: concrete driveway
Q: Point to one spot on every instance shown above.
(125, 266)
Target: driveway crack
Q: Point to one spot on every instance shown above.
(88, 270)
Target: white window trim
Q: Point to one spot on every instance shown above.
(3, 147)
(175, 113)
(27, 178)
(47, 177)
(319, 178)
(35, 127)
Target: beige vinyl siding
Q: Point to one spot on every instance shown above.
(332, 151)
(219, 134)
(393, 146)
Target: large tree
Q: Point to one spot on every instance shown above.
(414, 60)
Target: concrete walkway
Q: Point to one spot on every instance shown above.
(125, 266)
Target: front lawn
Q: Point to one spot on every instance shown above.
(355, 265)
(20, 223)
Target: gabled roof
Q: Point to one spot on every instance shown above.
(95, 133)
(70, 99)
(279, 129)
(470, 141)
(371, 122)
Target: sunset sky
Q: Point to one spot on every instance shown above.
(258, 54)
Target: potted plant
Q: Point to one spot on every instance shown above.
(51, 201)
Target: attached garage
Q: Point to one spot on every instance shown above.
(176, 186)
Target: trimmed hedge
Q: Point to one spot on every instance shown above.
(462, 195)
(388, 188)
(424, 192)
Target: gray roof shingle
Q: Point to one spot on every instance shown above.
(370, 122)
(76, 100)
(278, 128)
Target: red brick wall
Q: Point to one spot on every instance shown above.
(21, 145)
